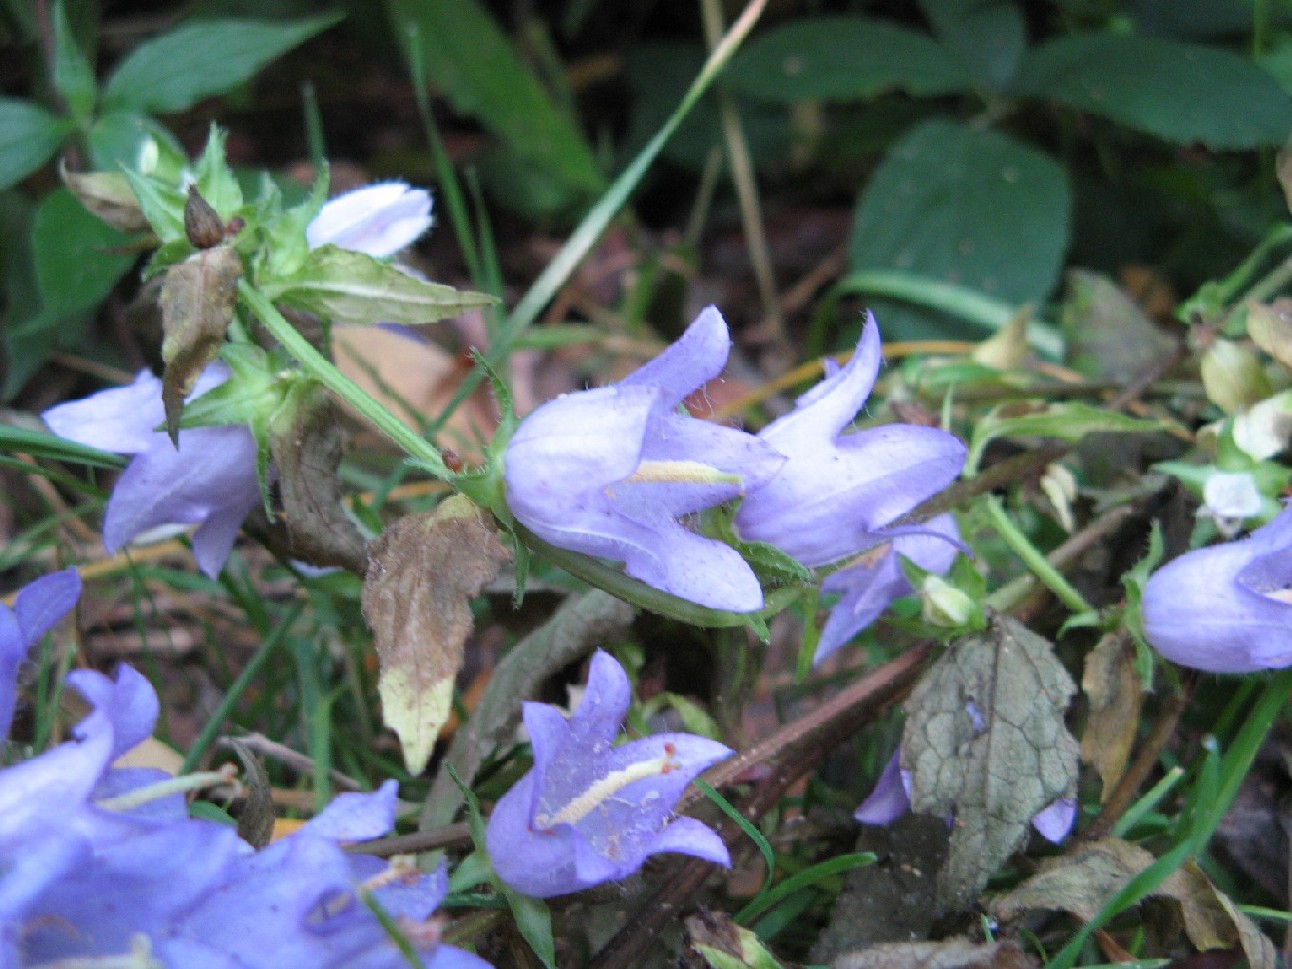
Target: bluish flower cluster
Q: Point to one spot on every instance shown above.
(96, 870)
(612, 471)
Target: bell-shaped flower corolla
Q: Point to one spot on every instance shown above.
(209, 480)
(94, 869)
(891, 799)
(838, 493)
(35, 610)
(608, 472)
(378, 220)
(876, 578)
(1226, 608)
(590, 812)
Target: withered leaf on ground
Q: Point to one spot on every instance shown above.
(197, 300)
(985, 741)
(422, 573)
(1115, 695)
(1084, 881)
(948, 954)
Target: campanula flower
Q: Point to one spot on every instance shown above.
(590, 812)
(35, 610)
(838, 494)
(378, 220)
(891, 799)
(876, 578)
(209, 480)
(1226, 608)
(609, 472)
(93, 869)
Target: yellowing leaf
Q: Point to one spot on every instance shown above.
(422, 573)
(1115, 695)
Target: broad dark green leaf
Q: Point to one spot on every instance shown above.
(28, 136)
(174, 71)
(843, 58)
(1184, 93)
(965, 206)
(73, 74)
(987, 37)
(78, 257)
(467, 56)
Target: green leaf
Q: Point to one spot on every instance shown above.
(28, 136)
(843, 58)
(352, 287)
(965, 206)
(78, 257)
(1067, 421)
(468, 57)
(1181, 92)
(73, 75)
(176, 70)
(987, 37)
(41, 444)
(128, 139)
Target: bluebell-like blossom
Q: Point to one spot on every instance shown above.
(209, 480)
(1226, 608)
(869, 584)
(94, 868)
(609, 472)
(839, 494)
(590, 812)
(378, 220)
(891, 799)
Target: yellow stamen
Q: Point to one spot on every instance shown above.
(582, 806)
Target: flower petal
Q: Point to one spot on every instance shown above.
(696, 357)
(122, 419)
(891, 797)
(378, 219)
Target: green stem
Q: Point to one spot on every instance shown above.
(1033, 559)
(414, 445)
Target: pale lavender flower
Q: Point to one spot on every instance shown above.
(93, 869)
(876, 578)
(378, 220)
(209, 480)
(609, 472)
(891, 799)
(1226, 608)
(35, 610)
(838, 494)
(590, 812)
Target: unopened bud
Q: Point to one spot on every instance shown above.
(945, 606)
(202, 224)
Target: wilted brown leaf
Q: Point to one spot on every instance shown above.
(985, 740)
(1115, 695)
(306, 442)
(107, 195)
(197, 299)
(422, 573)
(1084, 881)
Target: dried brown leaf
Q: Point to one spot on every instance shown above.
(422, 573)
(306, 444)
(1115, 696)
(197, 299)
(1084, 881)
(985, 741)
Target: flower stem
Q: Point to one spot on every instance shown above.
(1033, 559)
(415, 446)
